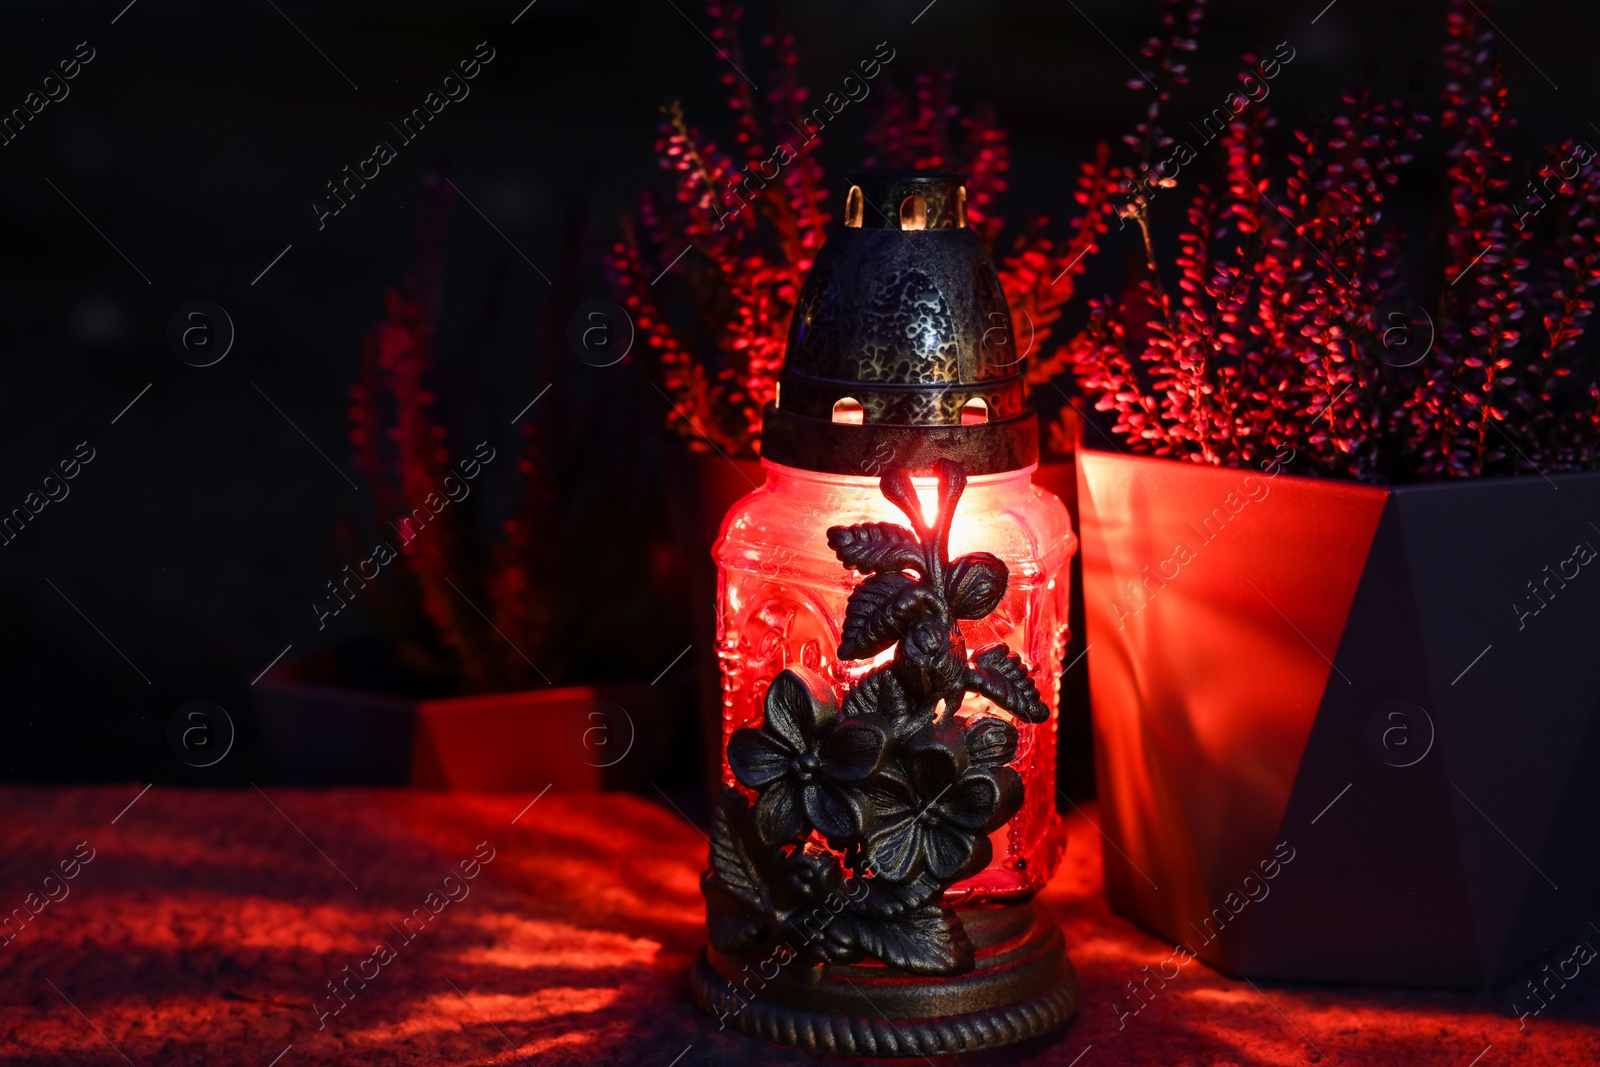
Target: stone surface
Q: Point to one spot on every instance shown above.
(205, 927)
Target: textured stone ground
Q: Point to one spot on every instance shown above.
(206, 927)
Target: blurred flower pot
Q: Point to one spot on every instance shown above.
(1345, 732)
(318, 731)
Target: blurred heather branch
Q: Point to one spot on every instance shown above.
(551, 572)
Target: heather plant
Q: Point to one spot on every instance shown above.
(544, 574)
(710, 268)
(1299, 323)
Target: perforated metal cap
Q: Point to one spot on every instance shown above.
(901, 351)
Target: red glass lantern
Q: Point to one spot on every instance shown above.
(892, 611)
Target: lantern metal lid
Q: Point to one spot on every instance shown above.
(901, 350)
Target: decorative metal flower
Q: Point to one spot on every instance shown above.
(806, 761)
(937, 813)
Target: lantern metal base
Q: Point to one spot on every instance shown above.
(1023, 986)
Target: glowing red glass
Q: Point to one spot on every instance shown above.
(781, 601)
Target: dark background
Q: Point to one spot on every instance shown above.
(199, 136)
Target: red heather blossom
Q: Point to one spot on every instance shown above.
(1283, 334)
(484, 596)
(746, 237)
(401, 454)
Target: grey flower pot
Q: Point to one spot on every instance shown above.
(1345, 732)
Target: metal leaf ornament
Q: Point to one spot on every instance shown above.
(882, 803)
